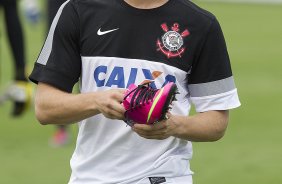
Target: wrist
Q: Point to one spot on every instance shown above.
(94, 103)
(179, 126)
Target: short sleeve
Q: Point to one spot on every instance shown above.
(59, 63)
(210, 82)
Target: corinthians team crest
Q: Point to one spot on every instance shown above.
(172, 41)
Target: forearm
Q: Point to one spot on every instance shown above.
(53, 106)
(202, 127)
(62, 108)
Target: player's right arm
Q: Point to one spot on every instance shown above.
(58, 68)
(54, 106)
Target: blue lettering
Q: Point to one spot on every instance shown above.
(100, 69)
(116, 78)
(169, 78)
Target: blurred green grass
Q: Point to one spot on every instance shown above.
(250, 152)
(25, 154)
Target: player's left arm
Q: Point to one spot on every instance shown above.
(202, 127)
(211, 90)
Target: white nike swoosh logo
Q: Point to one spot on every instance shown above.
(99, 32)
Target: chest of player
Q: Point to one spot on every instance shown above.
(161, 39)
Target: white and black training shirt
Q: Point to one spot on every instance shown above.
(107, 44)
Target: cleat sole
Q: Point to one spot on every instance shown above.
(171, 97)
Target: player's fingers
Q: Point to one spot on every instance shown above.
(157, 137)
(114, 110)
(154, 127)
(142, 127)
(118, 94)
(117, 107)
(151, 132)
(160, 125)
(114, 103)
(112, 114)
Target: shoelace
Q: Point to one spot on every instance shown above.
(142, 94)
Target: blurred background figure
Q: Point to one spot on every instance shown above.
(31, 10)
(61, 135)
(20, 91)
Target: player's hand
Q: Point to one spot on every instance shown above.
(109, 103)
(159, 131)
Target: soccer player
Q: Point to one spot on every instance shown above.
(61, 136)
(108, 45)
(20, 91)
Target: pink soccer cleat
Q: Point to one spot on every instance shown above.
(146, 105)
